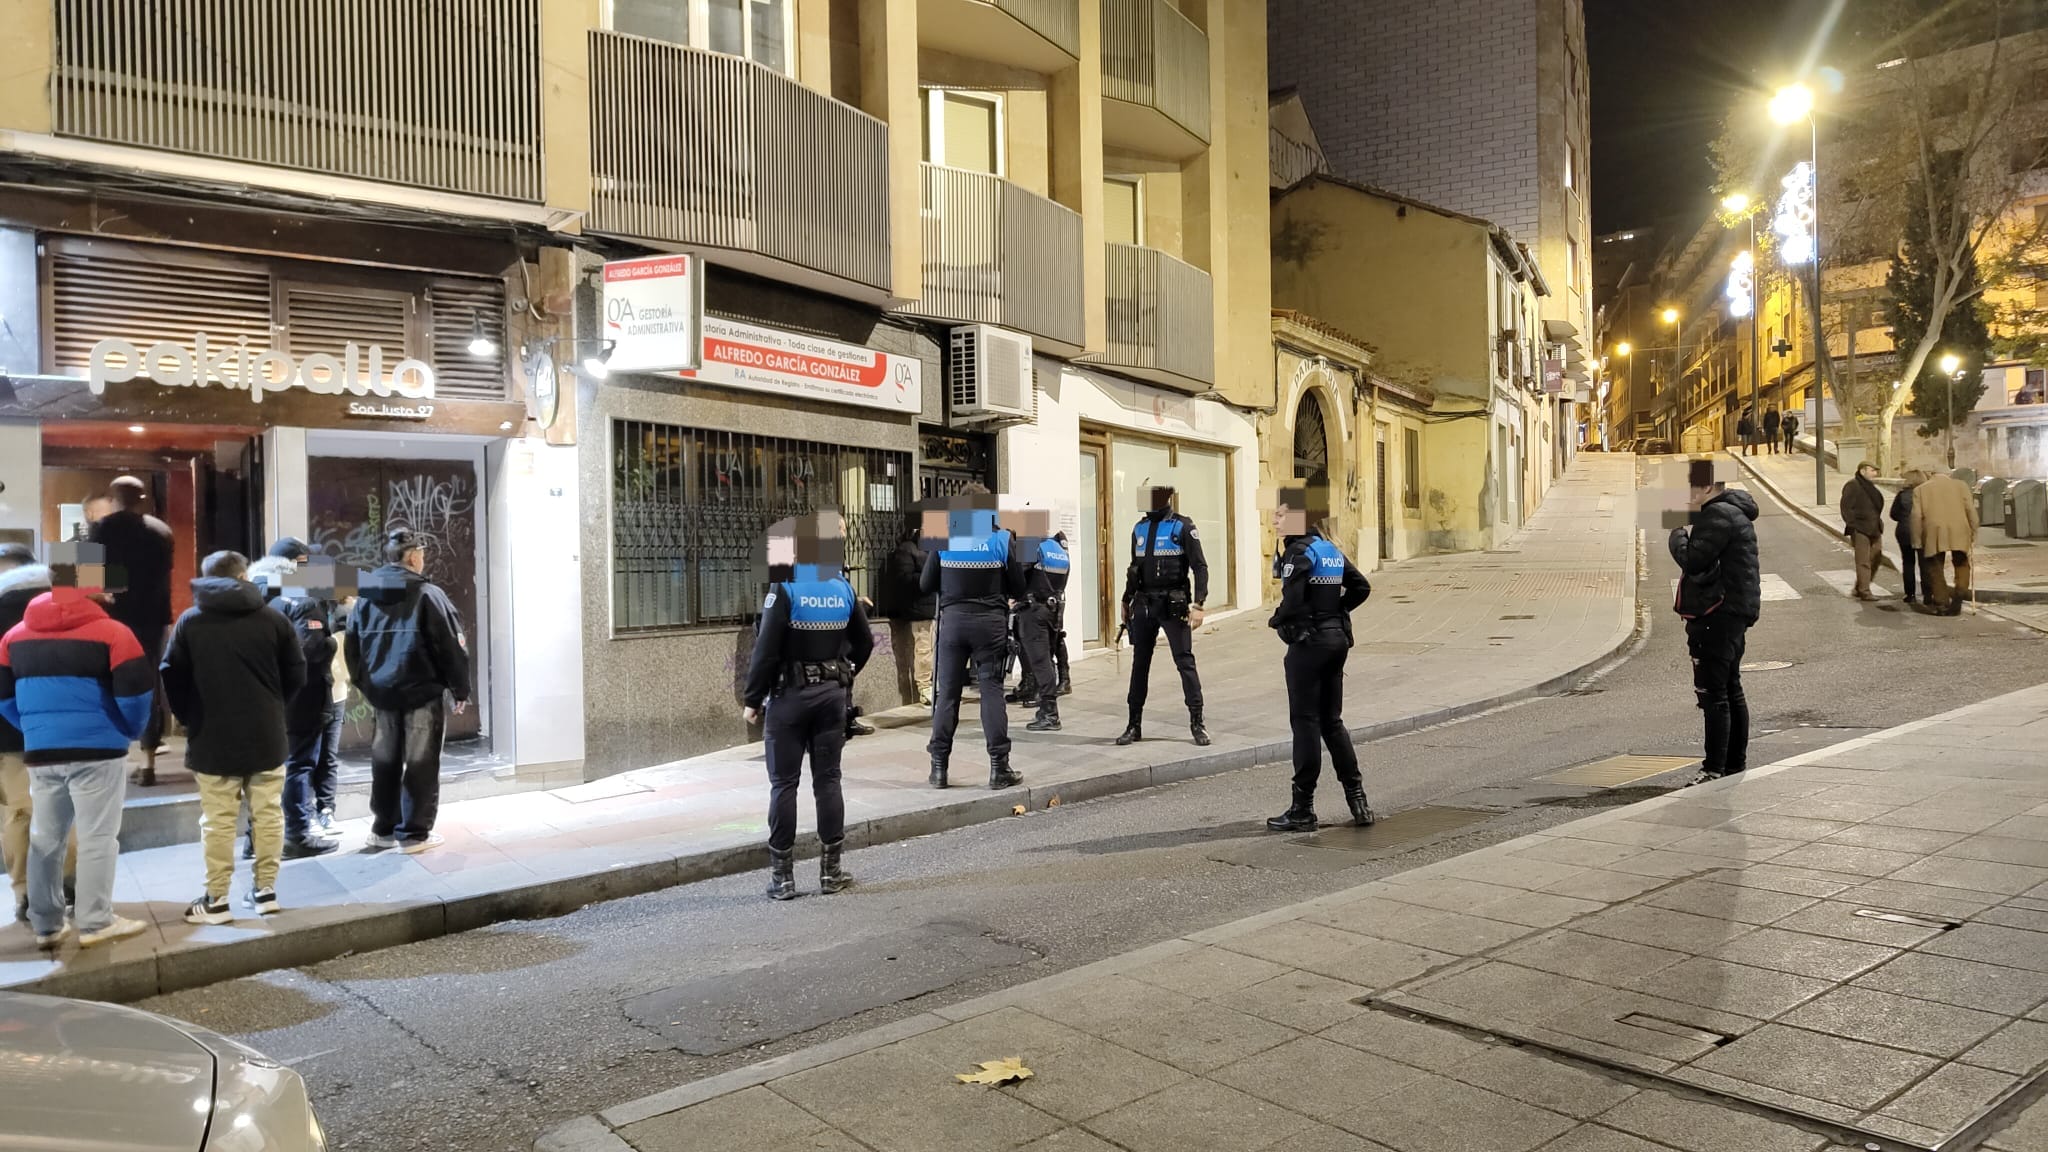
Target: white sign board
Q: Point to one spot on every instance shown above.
(791, 364)
(653, 309)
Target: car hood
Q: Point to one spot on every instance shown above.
(84, 1077)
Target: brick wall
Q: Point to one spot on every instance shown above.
(1435, 99)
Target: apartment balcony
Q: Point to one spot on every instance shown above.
(997, 254)
(361, 89)
(698, 149)
(1161, 319)
(1155, 80)
(1039, 35)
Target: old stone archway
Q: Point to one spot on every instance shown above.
(1311, 440)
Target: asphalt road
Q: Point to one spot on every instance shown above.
(482, 1041)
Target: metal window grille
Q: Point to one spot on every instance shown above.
(691, 510)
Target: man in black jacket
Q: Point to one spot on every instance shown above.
(911, 612)
(1720, 594)
(312, 718)
(405, 651)
(230, 667)
(139, 550)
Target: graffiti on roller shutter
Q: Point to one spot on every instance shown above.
(353, 503)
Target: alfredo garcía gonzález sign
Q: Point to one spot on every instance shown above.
(259, 370)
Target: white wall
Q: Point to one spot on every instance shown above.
(534, 498)
(284, 487)
(21, 477)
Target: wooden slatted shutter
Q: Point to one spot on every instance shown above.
(454, 305)
(148, 295)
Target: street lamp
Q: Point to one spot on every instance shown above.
(1952, 368)
(1792, 104)
(1670, 316)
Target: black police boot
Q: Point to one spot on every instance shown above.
(1000, 776)
(1047, 720)
(1354, 799)
(938, 777)
(1024, 693)
(781, 874)
(1066, 686)
(1132, 733)
(1299, 817)
(831, 878)
(1195, 727)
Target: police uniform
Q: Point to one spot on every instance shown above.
(1318, 590)
(1168, 576)
(1058, 576)
(975, 586)
(1038, 622)
(813, 639)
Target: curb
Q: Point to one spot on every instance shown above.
(337, 933)
(1983, 595)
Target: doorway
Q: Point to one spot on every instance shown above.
(1382, 514)
(1092, 543)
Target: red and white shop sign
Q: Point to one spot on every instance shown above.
(789, 363)
(653, 309)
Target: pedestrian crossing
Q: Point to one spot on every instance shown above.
(1844, 581)
(1772, 586)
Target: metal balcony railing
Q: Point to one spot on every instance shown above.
(696, 147)
(1161, 314)
(997, 254)
(1154, 56)
(439, 96)
(1059, 21)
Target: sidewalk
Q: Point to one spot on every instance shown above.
(2006, 571)
(1441, 638)
(1848, 949)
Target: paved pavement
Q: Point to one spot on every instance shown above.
(1442, 637)
(2006, 570)
(1846, 949)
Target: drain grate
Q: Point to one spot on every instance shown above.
(1400, 828)
(1616, 771)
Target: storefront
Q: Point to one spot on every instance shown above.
(262, 395)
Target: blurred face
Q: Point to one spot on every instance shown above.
(1290, 521)
(1867, 472)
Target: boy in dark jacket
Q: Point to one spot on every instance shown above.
(405, 652)
(230, 667)
(78, 687)
(911, 612)
(1720, 594)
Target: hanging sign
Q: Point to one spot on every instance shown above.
(653, 310)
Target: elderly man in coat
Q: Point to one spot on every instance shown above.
(1944, 527)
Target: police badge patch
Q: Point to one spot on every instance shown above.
(769, 602)
(1286, 570)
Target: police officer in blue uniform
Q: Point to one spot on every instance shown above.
(1164, 590)
(1318, 590)
(1059, 618)
(971, 565)
(814, 639)
(1038, 624)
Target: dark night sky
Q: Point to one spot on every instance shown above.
(1664, 74)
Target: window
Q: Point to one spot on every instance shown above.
(759, 30)
(690, 509)
(2035, 390)
(964, 130)
(1411, 469)
(1570, 162)
(1571, 254)
(1123, 217)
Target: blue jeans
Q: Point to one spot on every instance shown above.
(315, 748)
(88, 793)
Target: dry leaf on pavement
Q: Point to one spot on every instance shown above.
(1017, 810)
(1005, 1071)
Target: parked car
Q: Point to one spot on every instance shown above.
(75, 1074)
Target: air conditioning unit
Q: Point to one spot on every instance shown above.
(988, 375)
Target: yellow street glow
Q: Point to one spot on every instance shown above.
(1792, 104)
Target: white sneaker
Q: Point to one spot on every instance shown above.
(207, 910)
(264, 901)
(50, 940)
(415, 847)
(120, 929)
(377, 843)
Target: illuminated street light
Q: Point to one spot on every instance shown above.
(1951, 367)
(1950, 362)
(1736, 202)
(1671, 315)
(1623, 348)
(1793, 103)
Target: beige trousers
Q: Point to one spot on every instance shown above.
(220, 809)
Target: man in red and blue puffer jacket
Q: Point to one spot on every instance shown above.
(77, 685)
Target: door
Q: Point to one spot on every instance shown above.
(1384, 514)
(1091, 598)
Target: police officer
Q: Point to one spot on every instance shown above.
(1158, 597)
(1038, 622)
(814, 638)
(1318, 590)
(1059, 618)
(970, 565)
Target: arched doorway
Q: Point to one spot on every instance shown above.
(1311, 441)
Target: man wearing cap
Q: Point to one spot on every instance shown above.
(406, 653)
(139, 548)
(313, 715)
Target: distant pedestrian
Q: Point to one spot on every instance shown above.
(1902, 520)
(1745, 431)
(406, 654)
(1944, 527)
(814, 640)
(139, 550)
(1771, 425)
(313, 716)
(911, 611)
(231, 666)
(21, 580)
(77, 685)
(1790, 425)
(1862, 508)
(1720, 595)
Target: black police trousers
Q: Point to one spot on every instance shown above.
(1037, 627)
(976, 639)
(1716, 645)
(1315, 708)
(1148, 620)
(810, 719)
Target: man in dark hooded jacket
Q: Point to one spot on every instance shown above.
(1720, 594)
(405, 651)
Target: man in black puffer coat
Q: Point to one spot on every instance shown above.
(1720, 594)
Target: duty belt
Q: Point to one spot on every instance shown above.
(805, 673)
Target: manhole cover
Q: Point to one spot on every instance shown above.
(1766, 665)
